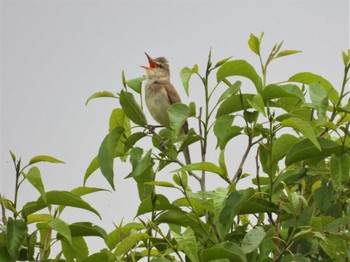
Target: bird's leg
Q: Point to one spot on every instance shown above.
(149, 129)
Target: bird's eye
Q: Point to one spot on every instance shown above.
(160, 65)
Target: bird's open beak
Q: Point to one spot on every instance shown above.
(151, 62)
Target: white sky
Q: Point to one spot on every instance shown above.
(55, 54)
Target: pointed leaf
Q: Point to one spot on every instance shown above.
(239, 68)
(254, 44)
(221, 62)
(202, 166)
(287, 52)
(178, 114)
(160, 183)
(258, 103)
(305, 150)
(186, 74)
(136, 83)
(43, 158)
(226, 250)
(93, 166)
(128, 242)
(224, 131)
(62, 228)
(187, 242)
(234, 103)
(339, 169)
(100, 94)
(16, 233)
(281, 146)
(231, 90)
(310, 78)
(304, 127)
(253, 239)
(75, 251)
(34, 178)
(132, 109)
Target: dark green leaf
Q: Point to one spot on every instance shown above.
(225, 250)
(84, 229)
(339, 169)
(100, 94)
(97, 257)
(16, 233)
(136, 83)
(305, 150)
(106, 154)
(204, 166)
(252, 239)
(323, 196)
(281, 146)
(310, 78)
(239, 68)
(155, 203)
(132, 109)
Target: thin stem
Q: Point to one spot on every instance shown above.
(244, 157)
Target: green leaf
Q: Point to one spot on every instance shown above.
(231, 90)
(253, 239)
(16, 233)
(118, 118)
(239, 68)
(4, 254)
(114, 237)
(127, 243)
(234, 104)
(221, 62)
(84, 229)
(227, 250)
(97, 257)
(34, 178)
(34, 218)
(62, 228)
(339, 169)
(160, 183)
(278, 91)
(178, 114)
(140, 165)
(132, 109)
(287, 52)
(310, 78)
(305, 149)
(76, 251)
(304, 127)
(203, 166)
(100, 94)
(281, 146)
(43, 158)
(319, 98)
(66, 198)
(254, 44)
(155, 203)
(93, 166)
(187, 242)
(106, 154)
(83, 190)
(186, 74)
(323, 196)
(345, 57)
(258, 103)
(136, 83)
(13, 156)
(224, 131)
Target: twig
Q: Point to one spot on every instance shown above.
(189, 172)
(3, 212)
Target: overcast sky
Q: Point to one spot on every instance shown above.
(55, 54)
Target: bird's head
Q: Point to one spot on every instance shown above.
(158, 67)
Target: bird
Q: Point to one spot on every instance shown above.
(160, 94)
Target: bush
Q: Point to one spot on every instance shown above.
(297, 208)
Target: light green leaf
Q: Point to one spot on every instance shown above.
(304, 127)
(346, 58)
(239, 68)
(319, 98)
(178, 114)
(253, 239)
(140, 164)
(16, 233)
(43, 158)
(224, 131)
(305, 150)
(127, 243)
(221, 62)
(339, 169)
(93, 166)
(118, 118)
(258, 103)
(76, 251)
(278, 91)
(287, 52)
(186, 74)
(187, 242)
(231, 90)
(160, 183)
(254, 44)
(225, 250)
(202, 166)
(83, 190)
(114, 237)
(62, 228)
(97, 257)
(136, 83)
(106, 154)
(34, 218)
(132, 109)
(34, 177)
(310, 78)
(233, 104)
(100, 94)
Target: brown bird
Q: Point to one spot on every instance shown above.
(160, 94)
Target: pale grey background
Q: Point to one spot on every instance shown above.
(55, 54)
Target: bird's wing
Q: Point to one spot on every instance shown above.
(173, 95)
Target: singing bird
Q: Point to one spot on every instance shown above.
(160, 94)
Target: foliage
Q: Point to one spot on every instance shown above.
(297, 207)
